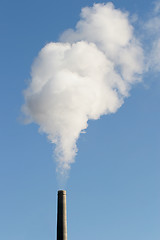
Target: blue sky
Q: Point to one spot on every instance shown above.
(113, 188)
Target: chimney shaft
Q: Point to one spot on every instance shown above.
(61, 216)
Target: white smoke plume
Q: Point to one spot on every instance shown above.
(85, 75)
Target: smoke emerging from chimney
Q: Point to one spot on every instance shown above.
(85, 75)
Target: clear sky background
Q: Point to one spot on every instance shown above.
(113, 189)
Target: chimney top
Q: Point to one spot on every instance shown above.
(62, 192)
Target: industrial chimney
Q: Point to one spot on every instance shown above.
(61, 216)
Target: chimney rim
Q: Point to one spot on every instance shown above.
(63, 192)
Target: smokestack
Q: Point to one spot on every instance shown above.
(61, 216)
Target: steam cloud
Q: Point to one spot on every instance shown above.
(85, 75)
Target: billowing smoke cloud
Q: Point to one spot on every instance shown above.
(84, 76)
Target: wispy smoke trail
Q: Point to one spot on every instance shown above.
(152, 27)
(85, 75)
